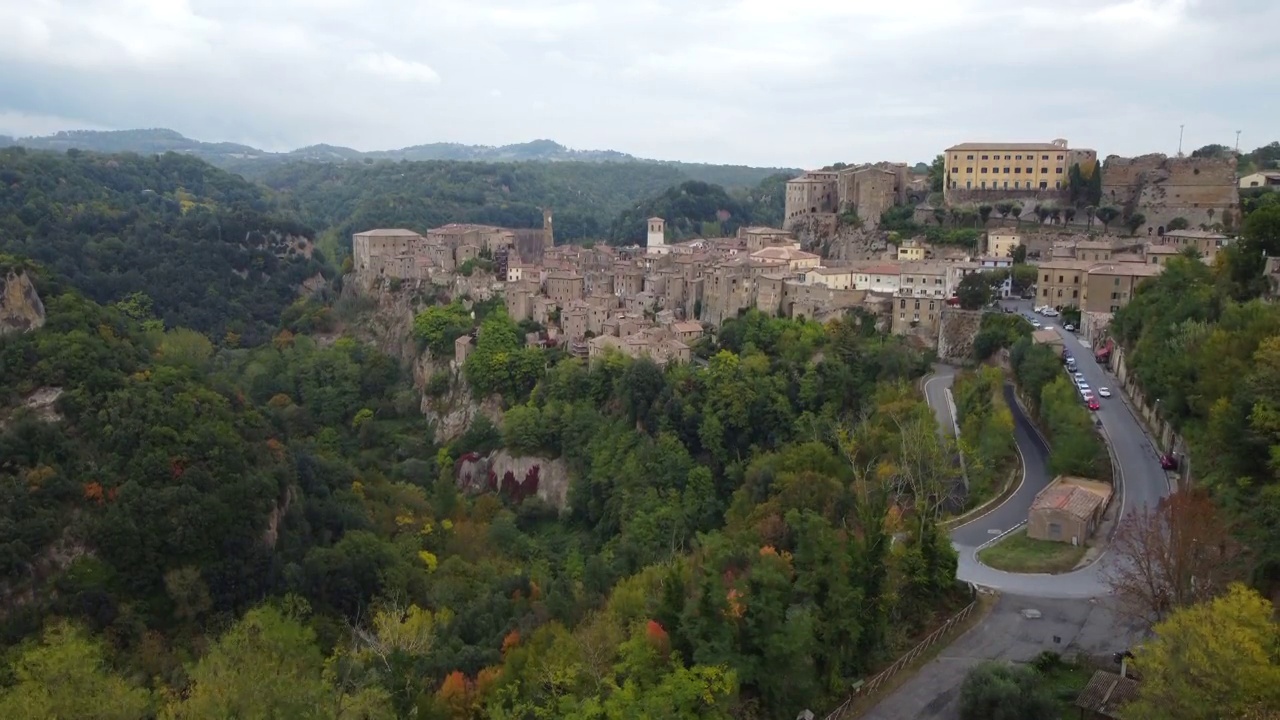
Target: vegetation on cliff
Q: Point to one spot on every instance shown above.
(200, 527)
(698, 209)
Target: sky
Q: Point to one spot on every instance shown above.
(758, 82)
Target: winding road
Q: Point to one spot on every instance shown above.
(1067, 613)
(1141, 484)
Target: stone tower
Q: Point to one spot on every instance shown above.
(657, 239)
(548, 235)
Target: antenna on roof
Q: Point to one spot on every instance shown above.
(1180, 129)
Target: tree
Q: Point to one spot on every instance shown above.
(1106, 214)
(937, 173)
(1089, 213)
(1020, 256)
(1004, 207)
(1217, 659)
(1172, 556)
(974, 291)
(1042, 213)
(65, 676)
(1179, 223)
(1000, 691)
(984, 212)
(267, 665)
(1213, 150)
(1134, 222)
(1016, 211)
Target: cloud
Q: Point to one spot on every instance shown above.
(742, 81)
(393, 68)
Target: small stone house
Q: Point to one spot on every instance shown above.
(1105, 695)
(1069, 509)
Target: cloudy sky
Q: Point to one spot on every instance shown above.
(763, 82)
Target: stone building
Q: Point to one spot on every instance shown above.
(795, 259)
(1206, 243)
(990, 171)
(757, 238)
(912, 315)
(1110, 286)
(390, 253)
(563, 287)
(1002, 243)
(1069, 509)
(1202, 191)
(1061, 282)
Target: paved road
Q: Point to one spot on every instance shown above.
(1143, 482)
(1073, 607)
(1007, 633)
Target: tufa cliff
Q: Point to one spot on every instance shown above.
(20, 307)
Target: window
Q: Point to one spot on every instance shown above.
(1017, 171)
(1006, 157)
(917, 305)
(984, 171)
(955, 170)
(1057, 185)
(968, 185)
(984, 184)
(1006, 184)
(1044, 184)
(1046, 278)
(984, 157)
(1116, 282)
(902, 303)
(1059, 157)
(1017, 157)
(969, 170)
(1058, 170)
(1115, 296)
(1044, 292)
(1059, 292)
(1075, 293)
(1055, 530)
(1044, 169)
(1015, 184)
(969, 157)
(1059, 278)
(1046, 157)
(1029, 170)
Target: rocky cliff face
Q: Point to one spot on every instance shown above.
(515, 477)
(20, 307)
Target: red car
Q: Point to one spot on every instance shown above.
(1093, 404)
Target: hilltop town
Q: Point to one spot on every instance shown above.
(1038, 202)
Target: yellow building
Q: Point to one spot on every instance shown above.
(1002, 243)
(1007, 166)
(911, 251)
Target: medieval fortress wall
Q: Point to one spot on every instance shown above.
(1202, 190)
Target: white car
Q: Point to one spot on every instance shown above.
(1104, 392)
(1069, 327)
(1035, 324)
(1084, 388)
(1050, 312)
(1079, 378)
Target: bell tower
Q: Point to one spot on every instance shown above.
(548, 234)
(657, 237)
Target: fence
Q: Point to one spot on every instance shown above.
(870, 686)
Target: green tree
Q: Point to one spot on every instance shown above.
(65, 675)
(937, 173)
(1000, 691)
(1106, 215)
(1178, 223)
(1219, 659)
(439, 326)
(1134, 222)
(974, 291)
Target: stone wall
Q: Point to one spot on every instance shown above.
(956, 333)
(1202, 190)
(1027, 198)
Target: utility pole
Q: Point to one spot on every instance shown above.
(1237, 142)
(1180, 129)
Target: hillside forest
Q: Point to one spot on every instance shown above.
(209, 511)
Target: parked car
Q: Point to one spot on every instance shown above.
(1093, 403)
(1050, 312)
(1079, 378)
(1084, 388)
(1104, 392)
(1069, 327)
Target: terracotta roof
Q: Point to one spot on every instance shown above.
(832, 271)
(1075, 496)
(885, 269)
(782, 253)
(1106, 693)
(1153, 248)
(687, 326)
(1134, 269)
(386, 232)
(1195, 234)
(1006, 146)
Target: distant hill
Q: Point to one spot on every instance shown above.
(254, 163)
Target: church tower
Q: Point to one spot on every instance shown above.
(657, 239)
(548, 235)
